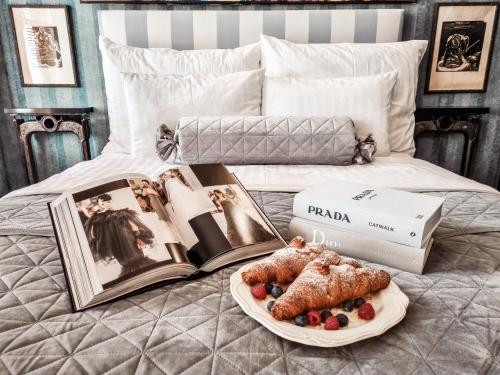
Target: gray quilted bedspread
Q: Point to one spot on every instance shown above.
(452, 325)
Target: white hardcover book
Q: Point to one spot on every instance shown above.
(355, 245)
(388, 214)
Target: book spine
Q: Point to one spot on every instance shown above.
(387, 227)
(355, 245)
(71, 292)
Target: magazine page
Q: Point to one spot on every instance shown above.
(127, 229)
(211, 211)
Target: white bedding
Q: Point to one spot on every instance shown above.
(397, 171)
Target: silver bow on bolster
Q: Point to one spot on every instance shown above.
(365, 150)
(165, 142)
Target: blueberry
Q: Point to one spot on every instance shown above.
(300, 320)
(343, 319)
(277, 291)
(347, 306)
(270, 305)
(269, 287)
(358, 302)
(325, 314)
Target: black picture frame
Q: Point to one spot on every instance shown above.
(434, 37)
(69, 24)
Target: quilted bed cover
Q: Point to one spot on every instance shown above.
(195, 327)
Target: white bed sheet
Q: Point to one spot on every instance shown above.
(398, 171)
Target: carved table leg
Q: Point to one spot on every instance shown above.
(85, 141)
(25, 139)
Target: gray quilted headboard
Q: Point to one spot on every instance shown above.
(233, 28)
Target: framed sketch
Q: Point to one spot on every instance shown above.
(461, 47)
(44, 45)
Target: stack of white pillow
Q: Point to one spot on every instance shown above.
(374, 84)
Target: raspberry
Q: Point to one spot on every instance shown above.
(313, 317)
(259, 291)
(332, 324)
(366, 312)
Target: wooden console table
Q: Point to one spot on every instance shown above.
(49, 120)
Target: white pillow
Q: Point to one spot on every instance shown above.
(162, 99)
(366, 100)
(281, 58)
(117, 58)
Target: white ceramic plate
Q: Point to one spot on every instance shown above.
(390, 306)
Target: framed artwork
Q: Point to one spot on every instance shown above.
(461, 47)
(245, 1)
(44, 45)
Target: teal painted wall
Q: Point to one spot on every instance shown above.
(59, 152)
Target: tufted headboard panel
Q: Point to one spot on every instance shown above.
(233, 28)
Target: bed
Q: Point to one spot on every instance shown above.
(452, 324)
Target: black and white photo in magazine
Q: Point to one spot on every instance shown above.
(124, 236)
(224, 209)
(184, 201)
(236, 216)
(149, 199)
(206, 196)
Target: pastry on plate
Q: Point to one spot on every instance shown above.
(284, 265)
(324, 283)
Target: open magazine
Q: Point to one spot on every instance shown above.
(128, 232)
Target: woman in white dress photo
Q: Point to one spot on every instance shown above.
(192, 204)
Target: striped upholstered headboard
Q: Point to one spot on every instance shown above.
(233, 28)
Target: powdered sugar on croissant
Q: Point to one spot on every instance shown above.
(323, 284)
(286, 264)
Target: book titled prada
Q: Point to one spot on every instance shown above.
(128, 232)
(388, 214)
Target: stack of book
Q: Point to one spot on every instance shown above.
(380, 225)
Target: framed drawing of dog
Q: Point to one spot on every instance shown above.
(461, 47)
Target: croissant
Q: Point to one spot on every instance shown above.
(286, 264)
(323, 284)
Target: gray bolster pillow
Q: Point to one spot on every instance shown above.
(265, 140)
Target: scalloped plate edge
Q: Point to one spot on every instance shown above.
(241, 293)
